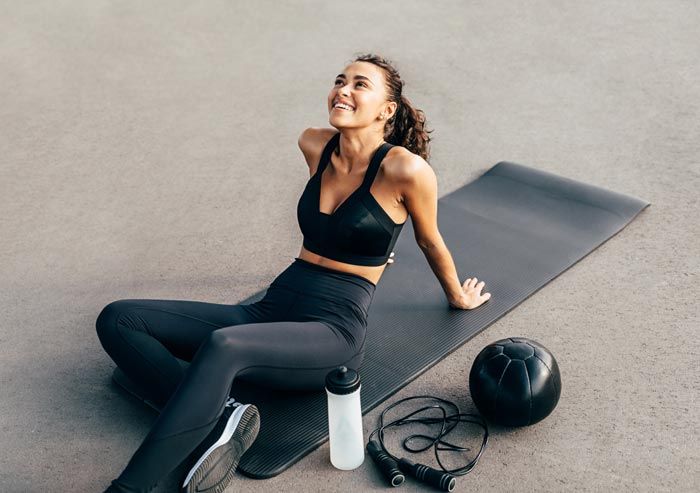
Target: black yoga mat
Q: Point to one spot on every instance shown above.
(515, 227)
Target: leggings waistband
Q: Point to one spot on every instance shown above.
(316, 280)
(310, 265)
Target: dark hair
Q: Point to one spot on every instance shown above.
(406, 127)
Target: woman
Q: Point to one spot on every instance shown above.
(365, 181)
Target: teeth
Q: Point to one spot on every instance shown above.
(343, 106)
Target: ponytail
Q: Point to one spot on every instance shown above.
(407, 128)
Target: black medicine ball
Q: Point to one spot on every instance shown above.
(515, 382)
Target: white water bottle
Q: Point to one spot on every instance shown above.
(345, 418)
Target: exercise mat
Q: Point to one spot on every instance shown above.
(515, 227)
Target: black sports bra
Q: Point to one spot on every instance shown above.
(359, 231)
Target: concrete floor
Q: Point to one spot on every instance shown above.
(149, 151)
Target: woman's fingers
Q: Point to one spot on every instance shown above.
(470, 283)
(472, 288)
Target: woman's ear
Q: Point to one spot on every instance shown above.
(390, 110)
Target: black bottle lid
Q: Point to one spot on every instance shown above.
(342, 381)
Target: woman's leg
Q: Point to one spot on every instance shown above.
(311, 320)
(144, 337)
(285, 354)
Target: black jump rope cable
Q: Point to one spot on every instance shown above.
(394, 468)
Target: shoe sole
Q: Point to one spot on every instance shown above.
(217, 465)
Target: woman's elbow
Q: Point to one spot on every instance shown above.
(429, 242)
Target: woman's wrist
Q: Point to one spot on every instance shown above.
(454, 299)
(443, 266)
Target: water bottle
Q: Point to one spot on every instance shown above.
(345, 418)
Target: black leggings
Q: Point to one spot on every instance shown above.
(311, 320)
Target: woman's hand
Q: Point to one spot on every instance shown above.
(471, 295)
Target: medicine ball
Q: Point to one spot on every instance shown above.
(515, 382)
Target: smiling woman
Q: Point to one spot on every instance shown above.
(368, 174)
(353, 208)
(377, 91)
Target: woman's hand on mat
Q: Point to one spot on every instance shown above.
(471, 295)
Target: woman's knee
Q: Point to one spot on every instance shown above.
(221, 340)
(108, 319)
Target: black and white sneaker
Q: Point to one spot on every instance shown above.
(234, 433)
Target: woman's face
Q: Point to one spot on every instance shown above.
(361, 85)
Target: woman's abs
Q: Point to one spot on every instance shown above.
(371, 273)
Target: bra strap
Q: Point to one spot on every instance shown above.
(374, 165)
(326, 155)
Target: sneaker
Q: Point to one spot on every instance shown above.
(235, 432)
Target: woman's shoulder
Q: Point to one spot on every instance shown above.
(402, 166)
(399, 164)
(312, 141)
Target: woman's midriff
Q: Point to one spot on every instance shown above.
(371, 273)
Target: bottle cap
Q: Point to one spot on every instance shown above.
(342, 381)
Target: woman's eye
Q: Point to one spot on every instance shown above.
(340, 81)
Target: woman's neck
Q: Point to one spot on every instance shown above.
(354, 150)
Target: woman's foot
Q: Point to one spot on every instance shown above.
(218, 455)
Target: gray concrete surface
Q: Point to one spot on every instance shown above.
(148, 150)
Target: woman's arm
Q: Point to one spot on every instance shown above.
(420, 199)
(311, 143)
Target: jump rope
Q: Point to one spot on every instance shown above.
(394, 468)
